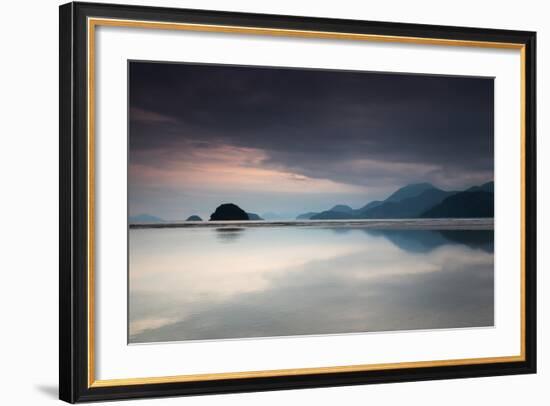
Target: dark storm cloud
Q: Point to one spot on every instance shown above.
(306, 119)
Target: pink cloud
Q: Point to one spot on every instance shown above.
(229, 168)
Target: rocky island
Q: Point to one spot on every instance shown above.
(228, 211)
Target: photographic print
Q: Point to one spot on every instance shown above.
(291, 202)
(267, 201)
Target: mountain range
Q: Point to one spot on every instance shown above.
(422, 200)
(418, 200)
(145, 218)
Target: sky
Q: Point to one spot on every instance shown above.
(291, 141)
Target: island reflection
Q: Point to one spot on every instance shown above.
(197, 284)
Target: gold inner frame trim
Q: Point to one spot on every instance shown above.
(94, 22)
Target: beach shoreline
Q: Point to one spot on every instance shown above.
(401, 224)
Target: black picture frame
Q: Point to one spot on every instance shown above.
(74, 385)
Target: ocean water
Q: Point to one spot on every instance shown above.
(224, 281)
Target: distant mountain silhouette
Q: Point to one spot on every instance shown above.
(407, 202)
(333, 215)
(411, 190)
(194, 217)
(486, 187)
(306, 216)
(254, 216)
(371, 205)
(339, 212)
(464, 205)
(409, 207)
(342, 208)
(411, 201)
(145, 218)
(228, 211)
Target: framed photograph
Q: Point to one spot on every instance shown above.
(258, 202)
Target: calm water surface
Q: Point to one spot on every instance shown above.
(216, 283)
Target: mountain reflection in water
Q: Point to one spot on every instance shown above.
(205, 283)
